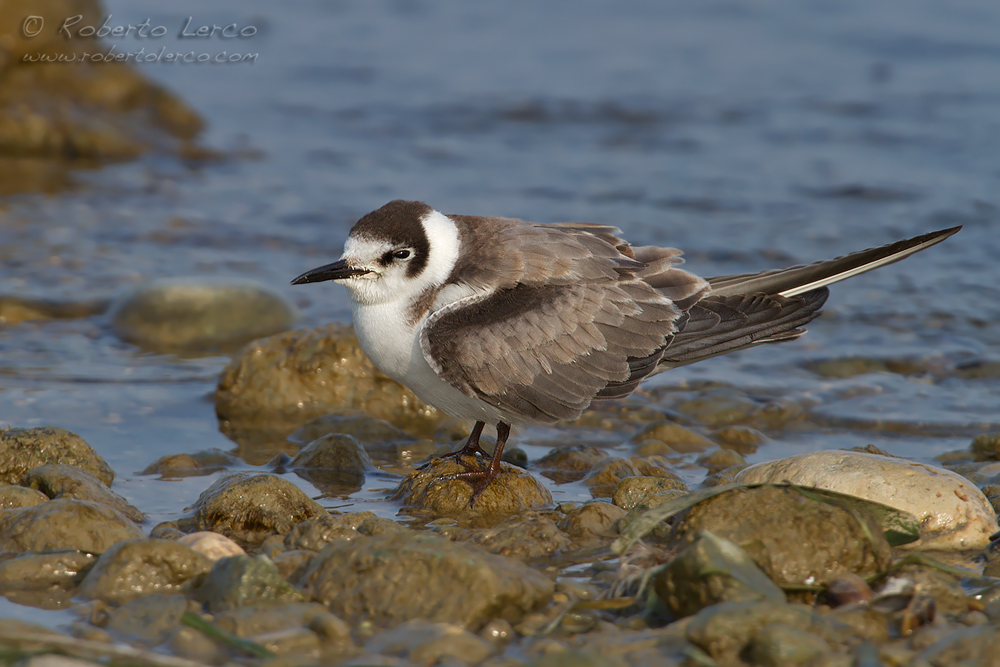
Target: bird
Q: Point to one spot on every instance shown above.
(507, 322)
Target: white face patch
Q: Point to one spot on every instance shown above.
(442, 235)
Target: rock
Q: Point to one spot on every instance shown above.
(256, 620)
(211, 545)
(721, 406)
(524, 535)
(133, 568)
(720, 459)
(593, 521)
(12, 496)
(185, 314)
(634, 490)
(570, 464)
(606, 474)
(389, 446)
(710, 570)
(795, 539)
(986, 447)
(513, 490)
(64, 524)
(967, 646)
(23, 449)
(30, 571)
(425, 643)
(279, 383)
(679, 439)
(237, 581)
(319, 531)
(726, 630)
(298, 644)
(179, 466)
(148, 620)
(335, 464)
(953, 514)
(390, 579)
(742, 439)
(780, 645)
(16, 309)
(247, 507)
(63, 481)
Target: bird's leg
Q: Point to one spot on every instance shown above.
(471, 447)
(480, 479)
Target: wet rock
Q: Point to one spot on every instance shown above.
(364, 427)
(593, 521)
(12, 496)
(726, 630)
(256, 620)
(679, 439)
(64, 524)
(426, 643)
(847, 588)
(710, 570)
(522, 536)
(15, 309)
(247, 507)
(795, 539)
(335, 464)
(966, 646)
(389, 579)
(298, 644)
(166, 530)
(615, 647)
(570, 464)
(513, 490)
(148, 620)
(133, 568)
(282, 382)
(23, 449)
(319, 531)
(949, 596)
(634, 490)
(986, 447)
(32, 572)
(241, 580)
(780, 645)
(211, 545)
(606, 474)
(721, 406)
(63, 481)
(742, 439)
(292, 564)
(197, 647)
(184, 314)
(76, 112)
(953, 513)
(179, 466)
(720, 460)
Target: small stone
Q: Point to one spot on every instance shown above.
(780, 645)
(211, 545)
(570, 464)
(13, 496)
(248, 507)
(595, 520)
(198, 464)
(64, 524)
(317, 532)
(605, 476)
(522, 536)
(62, 481)
(634, 490)
(24, 449)
(133, 568)
(196, 314)
(30, 571)
(742, 439)
(335, 464)
(148, 620)
(238, 581)
(679, 439)
(426, 643)
(720, 459)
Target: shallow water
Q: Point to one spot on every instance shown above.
(751, 137)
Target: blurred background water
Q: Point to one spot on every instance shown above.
(751, 135)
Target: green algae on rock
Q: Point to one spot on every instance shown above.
(390, 579)
(23, 449)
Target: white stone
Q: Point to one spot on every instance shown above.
(212, 545)
(953, 513)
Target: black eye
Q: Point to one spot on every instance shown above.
(401, 254)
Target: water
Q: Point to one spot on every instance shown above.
(750, 135)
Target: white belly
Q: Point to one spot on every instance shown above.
(393, 345)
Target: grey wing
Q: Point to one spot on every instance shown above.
(543, 353)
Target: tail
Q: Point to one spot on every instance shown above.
(751, 309)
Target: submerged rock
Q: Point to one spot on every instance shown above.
(62, 481)
(64, 524)
(24, 449)
(133, 568)
(710, 570)
(187, 315)
(390, 579)
(632, 491)
(335, 464)
(570, 464)
(177, 466)
(679, 438)
(279, 383)
(607, 473)
(248, 508)
(953, 513)
(796, 540)
(513, 490)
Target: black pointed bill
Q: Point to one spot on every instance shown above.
(336, 271)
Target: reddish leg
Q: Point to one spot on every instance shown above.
(480, 479)
(471, 447)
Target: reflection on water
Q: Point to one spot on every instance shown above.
(751, 137)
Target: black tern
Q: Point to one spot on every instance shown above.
(504, 321)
